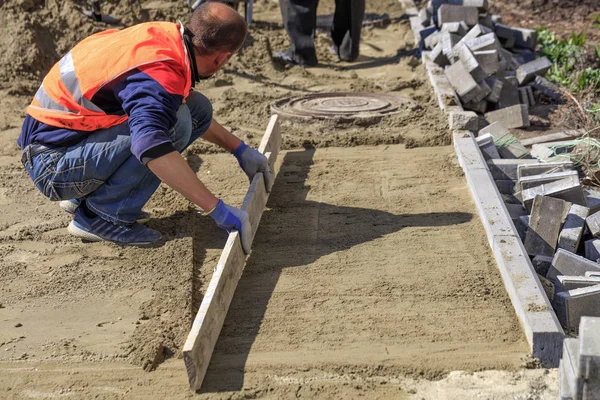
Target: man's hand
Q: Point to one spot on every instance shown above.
(252, 161)
(233, 219)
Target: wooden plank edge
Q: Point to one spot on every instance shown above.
(203, 336)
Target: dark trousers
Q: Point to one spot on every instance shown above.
(300, 22)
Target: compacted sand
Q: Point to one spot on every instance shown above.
(370, 275)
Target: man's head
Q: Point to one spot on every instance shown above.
(219, 32)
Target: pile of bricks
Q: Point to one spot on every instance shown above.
(492, 67)
(580, 364)
(558, 222)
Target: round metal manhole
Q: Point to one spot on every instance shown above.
(344, 106)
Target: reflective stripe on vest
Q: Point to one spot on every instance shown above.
(61, 99)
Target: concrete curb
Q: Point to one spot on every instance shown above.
(542, 329)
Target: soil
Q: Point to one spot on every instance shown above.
(370, 274)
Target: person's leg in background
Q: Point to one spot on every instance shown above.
(300, 22)
(347, 25)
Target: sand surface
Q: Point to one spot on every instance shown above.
(370, 275)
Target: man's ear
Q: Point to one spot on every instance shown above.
(222, 58)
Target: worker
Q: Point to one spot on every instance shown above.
(111, 118)
(300, 22)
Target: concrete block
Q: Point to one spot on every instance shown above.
(522, 225)
(529, 182)
(566, 189)
(547, 88)
(432, 40)
(569, 365)
(424, 33)
(527, 72)
(570, 264)
(506, 187)
(542, 151)
(509, 95)
(465, 55)
(525, 38)
(496, 86)
(572, 305)
(547, 217)
(541, 264)
(526, 170)
(526, 96)
(486, 20)
(506, 34)
(462, 81)
(511, 117)
(483, 42)
(437, 55)
(572, 230)
(565, 283)
(547, 286)
(449, 41)
(479, 107)
(496, 129)
(513, 149)
(451, 13)
(564, 388)
(424, 17)
(458, 28)
(592, 250)
(592, 274)
(592, 200)
(515, 211)
(488, 149)
(593, 224)
(589, 350)
(507, 169)
(488, 60)
(482, 5)
(463, 121)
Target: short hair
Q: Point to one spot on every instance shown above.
(217, 27)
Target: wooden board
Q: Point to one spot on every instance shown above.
(553, 137)
(200, 343)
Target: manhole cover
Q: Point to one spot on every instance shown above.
(344, 106)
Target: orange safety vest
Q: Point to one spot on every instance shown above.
(64, 98)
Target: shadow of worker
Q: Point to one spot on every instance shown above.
(295, 232)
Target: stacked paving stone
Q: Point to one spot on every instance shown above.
(558, 222)
(580, 364)
(491, 66)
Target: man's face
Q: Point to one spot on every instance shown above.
(209, 65)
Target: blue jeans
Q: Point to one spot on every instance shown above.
(102, 170)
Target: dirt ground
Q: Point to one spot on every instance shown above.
(370, 275)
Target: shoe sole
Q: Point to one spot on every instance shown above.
(90, 237)
(71, 210)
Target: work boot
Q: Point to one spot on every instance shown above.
(96, 229)
(70, 206)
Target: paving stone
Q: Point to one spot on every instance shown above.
(526, 96)
(593, 223)
(574, 304)
(525, 38)
(432, 40)
(516, 116)
(462, 81)
(426, 32)
(496, 85)
(542, 264)
(463, 121)
(424, 17)
(565, 390)
(592, 274)
(572, 230)
(547, 286)
(526, 170)
(507, 169)
(567, 189)
(547, 217)
(480, 107)
(506, 35)
(529, 182)
(465, 55)
(449, 42)
(515, 211)
(451, 13)
(487, 147)
(565, 283)
(437, 55)
(592, 250)
(527, 72)
(489, 41)
(506, 187)
(509, 95)
(547, 88)
(482, 5)
(589, 349)
(592, 200)
(570, 264)
(569, 365)
(458, 28)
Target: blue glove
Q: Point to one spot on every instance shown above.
(233, 219)
(251, 161)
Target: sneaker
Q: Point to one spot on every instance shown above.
(70, 206)
(97, 229)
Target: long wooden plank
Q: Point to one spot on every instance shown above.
(207, 325)
(553, 137)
